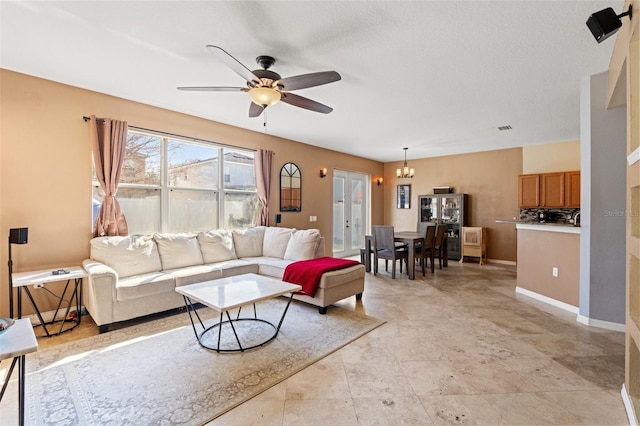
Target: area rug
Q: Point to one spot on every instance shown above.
(157, 373)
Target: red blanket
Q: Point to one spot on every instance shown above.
(308, 273)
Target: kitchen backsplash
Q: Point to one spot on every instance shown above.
(553, 215)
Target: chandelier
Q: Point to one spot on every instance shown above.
(405, 172)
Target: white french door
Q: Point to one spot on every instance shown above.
(350, 212)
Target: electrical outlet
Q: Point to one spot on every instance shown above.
(554, 271)
(39, 285)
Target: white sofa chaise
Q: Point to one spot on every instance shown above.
(133, 276)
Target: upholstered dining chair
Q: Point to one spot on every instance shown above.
(438, 249)
(386, 248)
(426, 250)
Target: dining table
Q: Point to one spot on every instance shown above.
(411, 238)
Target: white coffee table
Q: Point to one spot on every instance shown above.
(229, 293)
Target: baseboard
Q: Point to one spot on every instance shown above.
(613, 326)
(48, 316)
(628, 406)
(502, 262)
(548, 300)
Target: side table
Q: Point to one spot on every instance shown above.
(15, 342)
(23, 280)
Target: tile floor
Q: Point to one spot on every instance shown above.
(459, 347)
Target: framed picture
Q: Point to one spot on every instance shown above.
(404, 196)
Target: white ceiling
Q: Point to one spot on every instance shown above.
(435, 76)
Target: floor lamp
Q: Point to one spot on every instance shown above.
(16, 236)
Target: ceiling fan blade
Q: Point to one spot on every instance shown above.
(233, 63)
(212, 89)
(309, 80)
(255, 110)
(305, 103)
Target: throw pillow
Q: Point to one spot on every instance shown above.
(178, 250)
(248, 242)
(275, 241)
(303, 244)
(128, 256)
(216, 246)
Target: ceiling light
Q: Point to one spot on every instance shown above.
(264, 96)
(605, 23)
(405, 172)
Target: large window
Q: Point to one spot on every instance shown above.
(168, 184)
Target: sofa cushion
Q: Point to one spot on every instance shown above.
(178, 250)
(194, 274)
(273, 267)
(275, 241)
(231, 268)
(146, 285)
(248, 242)
(216, 246)
(128, 256)
(302, 244)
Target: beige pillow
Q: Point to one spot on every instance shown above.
(216, 246)
(248, 242)
(303, 244)
(132, 255)
(178, 250)
(275, 241)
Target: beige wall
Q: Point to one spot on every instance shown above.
(491, 180)
(552, 157)
(538, 253)
(45, 168)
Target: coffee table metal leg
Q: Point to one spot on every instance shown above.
(199, 336)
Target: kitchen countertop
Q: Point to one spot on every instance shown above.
(538, 226)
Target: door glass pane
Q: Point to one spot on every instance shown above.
(357, 213)
(338, 213)
(192, 211)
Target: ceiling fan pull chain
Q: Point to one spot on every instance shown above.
(264, 123)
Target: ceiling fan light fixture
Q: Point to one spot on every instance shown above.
(264, 96)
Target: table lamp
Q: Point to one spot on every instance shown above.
(16, 236)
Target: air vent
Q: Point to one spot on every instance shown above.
(507, 127)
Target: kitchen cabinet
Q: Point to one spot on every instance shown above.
(572, 189)
(550, 190)
(449, 210)
(528, 191)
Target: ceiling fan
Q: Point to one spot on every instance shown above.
(266, 87)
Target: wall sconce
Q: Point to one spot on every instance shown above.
(323, 172)
(16, 236)
(379, 181)
(605, 23)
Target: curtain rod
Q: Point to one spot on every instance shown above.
(85, 118)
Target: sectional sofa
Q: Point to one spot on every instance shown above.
(133, 276)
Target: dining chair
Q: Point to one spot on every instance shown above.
(386, 248)
(426, 250)
(438, 249)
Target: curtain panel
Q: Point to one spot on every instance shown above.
(109, 139)
(263, 164)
